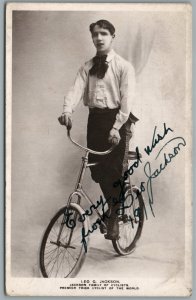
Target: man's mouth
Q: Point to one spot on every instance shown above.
(100, 44)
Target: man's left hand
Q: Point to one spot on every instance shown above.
(114, 136)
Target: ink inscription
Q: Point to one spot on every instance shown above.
(150, 173)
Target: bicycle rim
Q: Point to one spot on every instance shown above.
(63, 257)
(131, 221)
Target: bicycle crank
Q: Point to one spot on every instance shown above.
(59, 244)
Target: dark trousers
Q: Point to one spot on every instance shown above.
(112, 166)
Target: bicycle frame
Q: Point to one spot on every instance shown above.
(79, 191)
(84, 165)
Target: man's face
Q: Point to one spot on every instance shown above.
(102, 39)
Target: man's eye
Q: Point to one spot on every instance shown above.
(101, 33)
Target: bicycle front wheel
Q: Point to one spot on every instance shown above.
(62, 251)
(131, 219)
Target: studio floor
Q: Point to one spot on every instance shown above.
(153, 257)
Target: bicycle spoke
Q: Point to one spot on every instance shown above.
(57, 264)
(49, 252)
(53, 231)
(53, 257)
(50, 272)
(63, 259)
(54, 261)
(68, 261)
(60, 264)
(67, 231)
(71, 255)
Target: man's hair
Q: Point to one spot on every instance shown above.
(103, 24)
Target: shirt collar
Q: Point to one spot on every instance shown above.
(110, 55)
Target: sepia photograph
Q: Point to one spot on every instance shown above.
(98, 149)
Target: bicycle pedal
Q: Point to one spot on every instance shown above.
(123, 219)
(111, 237)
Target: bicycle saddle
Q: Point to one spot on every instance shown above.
(132, 155)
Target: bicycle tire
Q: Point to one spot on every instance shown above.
(45, 251)
(129, 223)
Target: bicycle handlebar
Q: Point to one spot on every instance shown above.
(87, 149)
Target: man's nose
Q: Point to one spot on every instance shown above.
(99, 37)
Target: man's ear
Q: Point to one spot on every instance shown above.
(113, 36)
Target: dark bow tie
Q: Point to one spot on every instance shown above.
(100, 66)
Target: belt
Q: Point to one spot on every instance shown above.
(96, 110)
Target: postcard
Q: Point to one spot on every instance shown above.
(98, 149)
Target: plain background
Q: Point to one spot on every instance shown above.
(48, 49)
(1, 147)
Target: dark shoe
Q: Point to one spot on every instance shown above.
(103, 229)
(112, 230)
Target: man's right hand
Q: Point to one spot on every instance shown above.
(66, 120)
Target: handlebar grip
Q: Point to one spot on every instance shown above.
(62, 122)
(69, 126)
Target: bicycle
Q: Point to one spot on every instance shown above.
(62, 251)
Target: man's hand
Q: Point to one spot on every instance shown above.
(65, 119)
(114, 136)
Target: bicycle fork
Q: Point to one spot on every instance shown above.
(79, 192)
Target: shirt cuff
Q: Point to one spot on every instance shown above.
(67, 109)
(121, 118)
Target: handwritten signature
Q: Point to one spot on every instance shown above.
(167, 157)
(146, 185)
(157, 139)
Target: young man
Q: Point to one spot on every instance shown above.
(106, 85)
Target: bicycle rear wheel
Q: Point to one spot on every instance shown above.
(62, 252)
(131, 219)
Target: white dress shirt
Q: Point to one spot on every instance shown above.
(115, 90)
